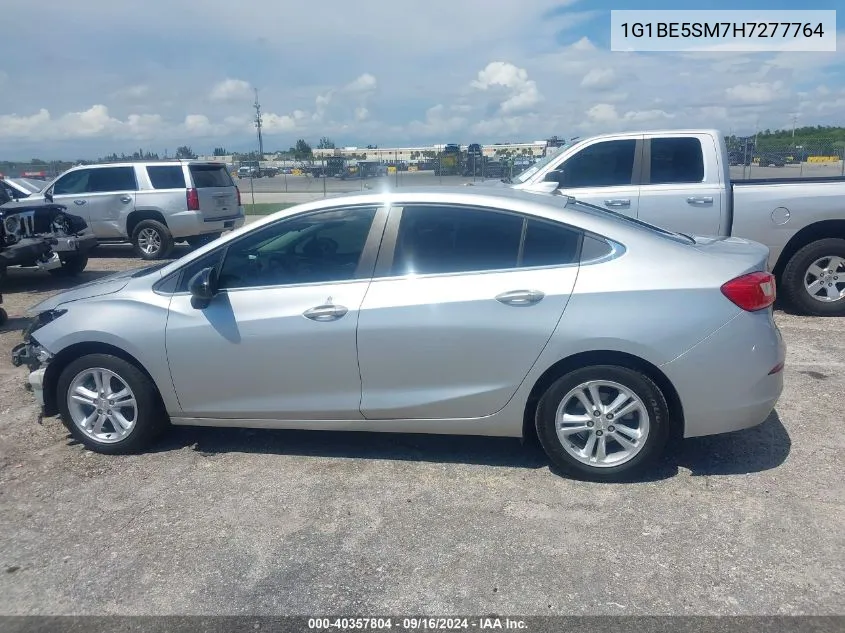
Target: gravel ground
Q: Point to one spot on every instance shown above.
(215, 521)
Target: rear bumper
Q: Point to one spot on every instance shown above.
(724, 382)
(192, 223)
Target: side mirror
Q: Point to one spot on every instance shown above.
(203, 287)
(48, 195)
(556, 176)
(546, 186)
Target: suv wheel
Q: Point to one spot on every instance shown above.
(814, 279)
(603, 423)
(152, 240)
(109, 405)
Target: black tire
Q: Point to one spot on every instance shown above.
(151, 417)
(72, 265)
(164, 239)
(201, 240)
(638, 383)
(3, 316)
(792, 279)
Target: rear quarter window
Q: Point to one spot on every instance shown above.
(209, 176)
(167, 177)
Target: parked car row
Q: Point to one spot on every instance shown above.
(150, 204)
(450, 310)
(680, 180)
(597, 301)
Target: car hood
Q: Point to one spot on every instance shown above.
(97, 288)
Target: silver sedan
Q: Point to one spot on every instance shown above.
(425, 311)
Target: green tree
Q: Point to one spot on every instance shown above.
(302, 150)
(325, 143)
(184, 151)
(221, 151)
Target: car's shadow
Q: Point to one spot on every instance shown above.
(752, 450)
(127, 251)
(34, 280)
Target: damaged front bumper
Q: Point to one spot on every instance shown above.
(35, 357)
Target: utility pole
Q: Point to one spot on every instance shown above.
(257, 107)
(794, 120)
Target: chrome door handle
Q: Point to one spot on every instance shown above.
(126, 199)
(325, 313)
(520, 297)
(700, 200)
(618, 202)
(79, 202)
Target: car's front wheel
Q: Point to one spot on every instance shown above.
(603, 423)
(109, 405)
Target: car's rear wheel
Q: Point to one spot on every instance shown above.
(603, 423)
(152, 240)
(109, 405)
(814, 279)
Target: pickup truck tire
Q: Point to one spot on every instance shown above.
(630, 441)
(72, 265)
(802, 272)
(152, 240)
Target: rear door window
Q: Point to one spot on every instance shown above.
(210, 176)
(676, 160)
(446, 239)
(111, 179)
(166, 176)
(549, 244)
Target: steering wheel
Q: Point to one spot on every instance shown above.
(320, 247)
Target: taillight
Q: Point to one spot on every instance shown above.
(193, 200)
(238, 191)
(754, 291)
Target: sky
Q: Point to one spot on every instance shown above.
(86, 78)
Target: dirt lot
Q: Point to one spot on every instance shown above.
(221, 521)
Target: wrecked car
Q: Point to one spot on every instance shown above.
(46, 237)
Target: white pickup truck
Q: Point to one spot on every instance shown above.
(680, 180)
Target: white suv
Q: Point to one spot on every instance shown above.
(151, 204)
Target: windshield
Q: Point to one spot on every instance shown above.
(551, 154)
(32, 186)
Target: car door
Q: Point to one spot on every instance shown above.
(278, 340)
(463, 301)
(604, 173)
(677, 192)
(109, 199)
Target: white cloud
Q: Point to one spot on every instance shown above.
(130, 93)
(598, 78)
(364, 83)
(437, 122)
(606, 113)
(755, 92)
(231, 90)
(361, 113)
(523, 93)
